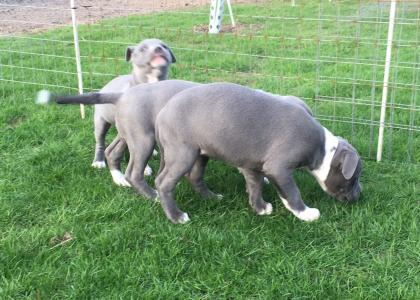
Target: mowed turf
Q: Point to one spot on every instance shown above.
(67, 232)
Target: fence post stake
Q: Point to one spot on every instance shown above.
(216, 15)
(386, 79)
(230, 13)
(77, 53)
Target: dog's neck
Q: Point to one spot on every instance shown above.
(330, 147)
(151, 75)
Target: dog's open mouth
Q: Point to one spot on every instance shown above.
(158, 61)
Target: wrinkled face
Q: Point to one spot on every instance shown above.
(343, 178)
(150, 53)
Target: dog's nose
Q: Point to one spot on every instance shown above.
(158, 49)
(355, 195)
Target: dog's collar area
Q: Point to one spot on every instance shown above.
(331, 145)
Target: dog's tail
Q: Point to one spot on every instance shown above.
(46, 97)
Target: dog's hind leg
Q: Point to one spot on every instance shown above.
(254, 183)
(101, 128)
(178, 161)
(114, 154)
(196, 178)
(140, 153)
(162, 160)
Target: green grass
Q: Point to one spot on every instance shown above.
(122, 245)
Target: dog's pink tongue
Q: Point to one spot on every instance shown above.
(158, 61)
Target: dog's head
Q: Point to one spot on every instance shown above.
(150, 55)
(342, 181)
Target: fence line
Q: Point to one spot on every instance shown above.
(329, 53)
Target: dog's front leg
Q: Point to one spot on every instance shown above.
(290, 195)
(101, 128)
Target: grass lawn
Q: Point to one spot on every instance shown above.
(67, 232)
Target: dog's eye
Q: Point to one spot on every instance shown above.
(164, 46)
(143, 48)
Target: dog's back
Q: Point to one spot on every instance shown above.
(235, 123)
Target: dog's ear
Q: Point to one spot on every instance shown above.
(349, 165)
(128, 53)
(172, 55)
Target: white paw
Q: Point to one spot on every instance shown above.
(219, 196)
(99, 164)
(183, 219)
(148, 171)
(308, 214)
(267, 210)
(119, 178)
(266, 181)
(155, 152)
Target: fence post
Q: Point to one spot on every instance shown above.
(386, 79)
(216, 15)
(77, 53)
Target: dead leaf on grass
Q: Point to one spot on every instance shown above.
(56, 241)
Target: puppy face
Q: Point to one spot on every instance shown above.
(150, 53)
(343, 178)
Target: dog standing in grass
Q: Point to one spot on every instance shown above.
(261, 134)
(151, 60)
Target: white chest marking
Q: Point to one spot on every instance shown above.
(153, 76)
(331, 144)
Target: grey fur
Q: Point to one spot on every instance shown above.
(135, 115)
(260, 133)
(151, 60)
(346, 171)
(136, 112)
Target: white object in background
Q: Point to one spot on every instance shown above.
(43, 97)
(77, 53)
(386, 78)
(217, 8)
(216, 15)
(230, 13)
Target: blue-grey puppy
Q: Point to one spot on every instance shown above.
(260, 133)
(135, 113)
(151, 60)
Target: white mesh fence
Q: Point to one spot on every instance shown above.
(330, 53)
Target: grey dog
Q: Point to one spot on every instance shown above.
(135, 115)
(260, 133)
(151, 60)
